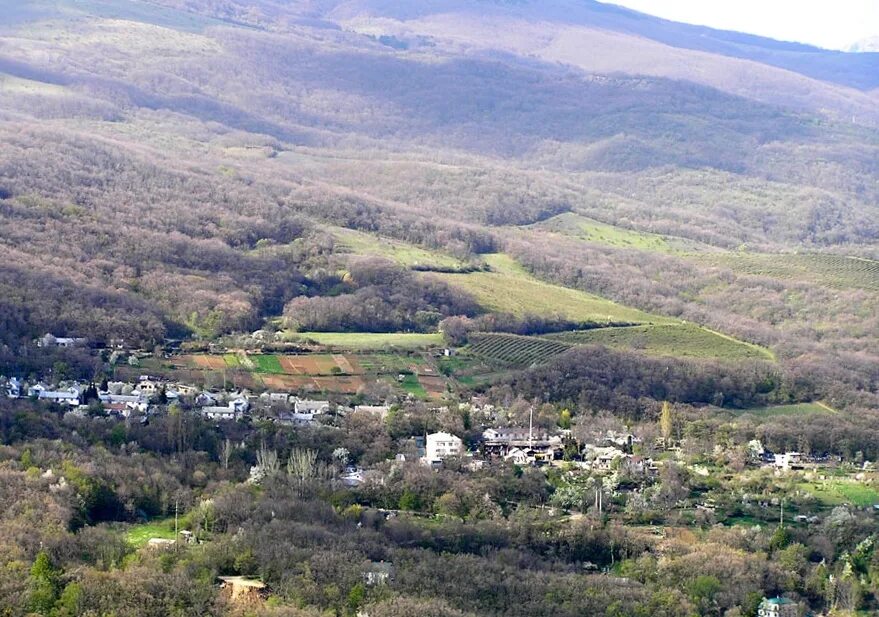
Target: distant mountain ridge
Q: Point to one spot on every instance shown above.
(860, 72)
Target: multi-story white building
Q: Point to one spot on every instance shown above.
(440, 445)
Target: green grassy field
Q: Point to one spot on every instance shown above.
(836, 271)
(590, 230)
(389, 363)
(838, 492)
(231, 360)
(265, 363)
(789, 410)
(411, 385)
(139, 535)
(370, 341)
(683, 340)
(404, 253)
(509, 288)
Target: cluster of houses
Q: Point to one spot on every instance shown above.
(122, 399)
(786, 461)
(537, 447)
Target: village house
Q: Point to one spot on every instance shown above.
(291, 418)
(313, 407)
(131, 402)
(378, 572)
(206, 399)
(441, 445)
(226, 413)
(276, 398)
(14, 388)
(519, 457)
(602, 458)
(778, 607)
(69, 396)
(789, 460)
(624, 441)
(537, 444)
(49, 340)
(148, 387)
(243, 590)
(381, 411)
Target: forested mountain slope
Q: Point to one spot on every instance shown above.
(170, 167)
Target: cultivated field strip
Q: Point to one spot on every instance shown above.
(515, 350)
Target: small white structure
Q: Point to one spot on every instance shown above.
(518, 456)
(789, 460)
(377, 410)
(148, 387)
(441, 445)
(14, 388)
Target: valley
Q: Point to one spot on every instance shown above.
(455, 308)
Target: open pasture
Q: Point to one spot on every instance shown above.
(508, 288)
(370, 341)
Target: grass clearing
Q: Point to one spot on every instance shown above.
(590, 230)
(266, 363)
(411, 385)
(789, 410)
(370, 341)
(681, 340)
(387, 363)
(404, 253)
(138, 535)
(509, 288)
(838, 492)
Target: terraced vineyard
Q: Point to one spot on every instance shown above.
(837, 271)
(685, 340)
(514, 350)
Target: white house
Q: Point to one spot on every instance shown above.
(789, 460)
(14, 388)
(48, 340)
(602, 458)
(220, 413)
(132, 402)
(206, 399)
(440, 445)
(378, 410)
(70, 396)
(315, 407)
(518, 456)
(239, 404)
(148, 387)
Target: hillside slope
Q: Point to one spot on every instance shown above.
(199, 152)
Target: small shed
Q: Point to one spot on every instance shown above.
(242, 588)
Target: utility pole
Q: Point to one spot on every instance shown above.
(176, 535)
(531, 429)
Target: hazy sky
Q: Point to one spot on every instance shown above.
(834, 24)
